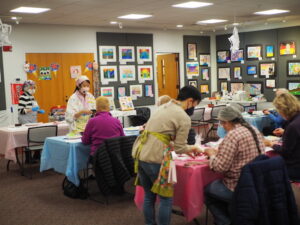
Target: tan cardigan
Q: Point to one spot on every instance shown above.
(169, 119)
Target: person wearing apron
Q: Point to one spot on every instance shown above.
(28, 109)
(80, 106)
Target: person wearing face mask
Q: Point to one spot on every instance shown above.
(170, 122)
(80, 106)
(28, 107)
(28, 110)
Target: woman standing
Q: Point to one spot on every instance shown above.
(80, 105)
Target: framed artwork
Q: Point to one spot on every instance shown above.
(237, 56)
(294, 87)
(107, 54)
(148, 90)
(205, 73)
(126, 54)
(267, 69)
(136, 91)
(75, 71)
(204, 89)
(108, 92)
(144, 53)
(192, 69)
(121, 92)
(145, 73)
(251, 70)
(293, 68)
(254, 52)
(237, 72)
(270, 83)
(193, 83)
(223, 56)
(224, 73)
(204, 59)
(287, 48)
(236, 86)
(191, 51)
(127, 73)
(108, 74)
(254, 88)
(126, 103)
(224, 86)
(270, 52)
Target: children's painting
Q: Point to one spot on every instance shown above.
(192, 69)
(254, 52)
(107, 92)
(294, 87)
(237, 72)
(45, 73)
(270, 83)
(126, 103)
(148, 90)
(108, 74)
(107, 54)
(192, 51)
(144, 53)
(270, 51)
(204, 60)
(224, 73)
(237, 56)
(121, 92)
(205, 73)
(75, 71)
(204, 89)
(234, 87)
(193, 83)
(293, 68)
(127, 73)
(136, 91)
(267, 69)
(287, 48)
(145, 73)
(126, 54)
(251, 70)
(224, 86)
(223, 56)
(253, 88)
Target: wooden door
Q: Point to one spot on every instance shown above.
(57, 91)
(168, 74)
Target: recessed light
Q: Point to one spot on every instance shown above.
(235, 24)
(29, 10)
(192, 4)
(135, 16)
(13, 18)
(211, 21)
(179, 25)
(113, 22)
(272, 12)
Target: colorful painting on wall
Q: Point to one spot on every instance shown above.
(126, 54)
(223, 56)
(224, 73)
(192, 51)
(234, 87)
(149, 90)
(293, 87)
(108, 74)
(251, 70)
(45, 73)
(127, 73)
(267, 69)
(204, 89)
(192, 69)
(253, 88)
(270, 83)
(121, 92)
(145, 73)
(107, 92)
(224, 86)
(205, 73)
(237, 72)
(287, 48)
(107, 54)
(270, 51)
(75, 71)
(136, 91)
(144, 53)
(254, 52)
(204, 60)
(193, 83)
(293, 68)
(237, 56)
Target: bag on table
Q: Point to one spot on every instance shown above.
(72, 191)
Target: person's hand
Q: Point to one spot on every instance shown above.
(210, 152)
(266, 112)
(278, 132)
(194, 151)
(268, 143)
(41, 111)
(35, 109)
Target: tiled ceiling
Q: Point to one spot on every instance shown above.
(101, 12)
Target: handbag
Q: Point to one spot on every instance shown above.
(72, 191)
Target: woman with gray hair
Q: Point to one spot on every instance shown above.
(241, 145)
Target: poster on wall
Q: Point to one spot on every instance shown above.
(224, 73)
(254, 52)
(237, 72)
(121, 92)
(149, 90)
(204, 59)
(293, 68)
(223, 56)
(126, 54)
(251, 70)
(192, 69)
(237, 56)
(75, 71)
(267, 69)
(127, 73)
(287, 48)
(107, 92)
(16, 92)
(205, 73)
(204, 89)
(192, 51)
(144, 53)
(107, 54)
(270, 51)
(45, 73)
(145, 73)
(136, 91)
(108, 74)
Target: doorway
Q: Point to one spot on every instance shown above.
(168, 79)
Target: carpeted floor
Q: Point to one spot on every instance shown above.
(40, 201)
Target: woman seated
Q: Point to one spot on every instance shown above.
(102, 126)
(241, 145)
(288, 107)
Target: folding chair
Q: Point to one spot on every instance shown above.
(213, 119)
(198, 119)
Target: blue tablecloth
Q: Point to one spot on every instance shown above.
(258, 121)
(65, 157)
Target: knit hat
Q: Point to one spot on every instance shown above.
(229, 113)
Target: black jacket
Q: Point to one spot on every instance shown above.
(113, 164)
(263, 195)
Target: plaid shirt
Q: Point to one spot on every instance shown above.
(236, 150)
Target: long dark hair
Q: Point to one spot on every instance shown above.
(241, 121)
(77, 88)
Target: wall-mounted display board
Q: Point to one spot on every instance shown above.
(126, 66)
(2, 86)
(197, 62)
(270, 58)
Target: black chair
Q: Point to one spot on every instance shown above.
(141, 117)
(35, 140)
(198, 119)
(213, 121)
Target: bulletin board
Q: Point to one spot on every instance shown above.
(134, 41)
(2, 86)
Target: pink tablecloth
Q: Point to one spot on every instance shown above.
(189, 190)
(11, 138)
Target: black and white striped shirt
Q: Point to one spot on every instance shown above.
(26, 101)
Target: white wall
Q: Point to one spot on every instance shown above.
(30, 38)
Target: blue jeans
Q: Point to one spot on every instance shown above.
(217, 199)
(148, 173)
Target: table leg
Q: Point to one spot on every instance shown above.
(180, 213)
(18, 162)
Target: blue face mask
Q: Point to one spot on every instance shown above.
(221, 132)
